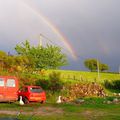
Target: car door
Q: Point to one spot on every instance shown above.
(11, 89)
(24, 92)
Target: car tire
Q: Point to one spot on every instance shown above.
(25, 100)
(42, 102)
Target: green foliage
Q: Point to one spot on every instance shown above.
(49, 57)
(94, 65)
(24, 63)
(112, 84)
(104, 67)
(55, 81)
(23, 49)
(26, 80)
(44, 83)
(56, 76)
(91, 64)
(14, 63)
(6, 61)
(3, 56)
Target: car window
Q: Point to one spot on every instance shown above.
(10, 83)
(36, 90)
(1, 82)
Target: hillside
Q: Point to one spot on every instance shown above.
(84, 76)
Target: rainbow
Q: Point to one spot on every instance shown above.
(54, 29)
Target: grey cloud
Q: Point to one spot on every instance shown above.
(91, 26)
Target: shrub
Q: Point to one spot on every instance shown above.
(55, 81)
(45, 84)
(112, 84)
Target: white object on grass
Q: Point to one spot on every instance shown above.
(21, 101)
(59, 100)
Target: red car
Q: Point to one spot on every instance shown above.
(32, 94)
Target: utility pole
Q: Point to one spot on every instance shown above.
(40, 41)
(98, 69)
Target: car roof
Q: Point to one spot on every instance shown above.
(7, 76)
(29, 86)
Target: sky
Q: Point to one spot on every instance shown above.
(82, 28)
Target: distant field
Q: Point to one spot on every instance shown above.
(84, 76)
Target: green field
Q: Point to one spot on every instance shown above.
(84, 76)
(69, 75)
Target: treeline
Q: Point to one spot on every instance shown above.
(13, 62)
(32, 58)
(96, 65)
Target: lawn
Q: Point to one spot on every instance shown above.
(92, 109)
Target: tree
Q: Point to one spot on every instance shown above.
(3, 56)
(14, 63)
(104, 67)
(42, 57)
(92, 65)
(23, 63)
(23, 49)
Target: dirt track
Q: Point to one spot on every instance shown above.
(38, 111)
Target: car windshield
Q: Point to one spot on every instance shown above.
(36, 90)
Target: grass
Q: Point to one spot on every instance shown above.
(92, 109)
(88, 76)
(71, 77)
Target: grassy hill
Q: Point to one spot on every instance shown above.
(84, 76)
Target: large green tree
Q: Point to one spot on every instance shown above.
(42, 57)
(94, 65)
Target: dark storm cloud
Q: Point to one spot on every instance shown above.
(91, 26)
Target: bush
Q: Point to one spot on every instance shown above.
(55, 81)
(112, 84)
(45, 84)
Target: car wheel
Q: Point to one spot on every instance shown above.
(18, 98)
(42, 102)
(25, 100)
